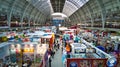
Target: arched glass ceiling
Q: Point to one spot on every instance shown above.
(69, 8)
(47, 6)
(43, 5)
(72, 5)
(58, 5)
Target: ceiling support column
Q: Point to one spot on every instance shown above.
(9, 15)
(103, 13)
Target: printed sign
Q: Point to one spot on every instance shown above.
(111, 62)
(73, 64)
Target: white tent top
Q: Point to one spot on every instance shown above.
(37, 33)
(47, 35)
(63, 28)
(78, 46)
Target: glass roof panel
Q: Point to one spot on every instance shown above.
(73, 5)
(69, 8)
(42, 5)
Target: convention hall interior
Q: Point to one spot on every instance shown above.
(59, 33)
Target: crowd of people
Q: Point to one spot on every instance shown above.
(52, 51)
(64, 46)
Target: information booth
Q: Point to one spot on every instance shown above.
(42, 55)
(40, 51)
(83, 51)
(78, 50)
(91, 57)
(8, 54)
(48, 38)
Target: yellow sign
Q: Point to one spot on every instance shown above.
(29, 50)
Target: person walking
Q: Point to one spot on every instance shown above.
(50, 60)
(52, 53)
(58, 46)
(29, 63)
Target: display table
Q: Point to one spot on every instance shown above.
(41, 54)
(78, 48)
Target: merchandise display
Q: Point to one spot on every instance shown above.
(86, 51)
(36, 46)
(59, 33)
(78, 48)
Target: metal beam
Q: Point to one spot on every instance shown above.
(79, 16)
(10, 13)
(118, 2)
(77, 20)
(29, 22)
(84, 20)
(73, 18)
(34, 8)
(103, 12)
(39, 17)
(30, 16)
(90, 13)
(24, 12)
(37, 14)
(32, 11)
(44, 19)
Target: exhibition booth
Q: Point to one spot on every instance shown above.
(85, 54)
